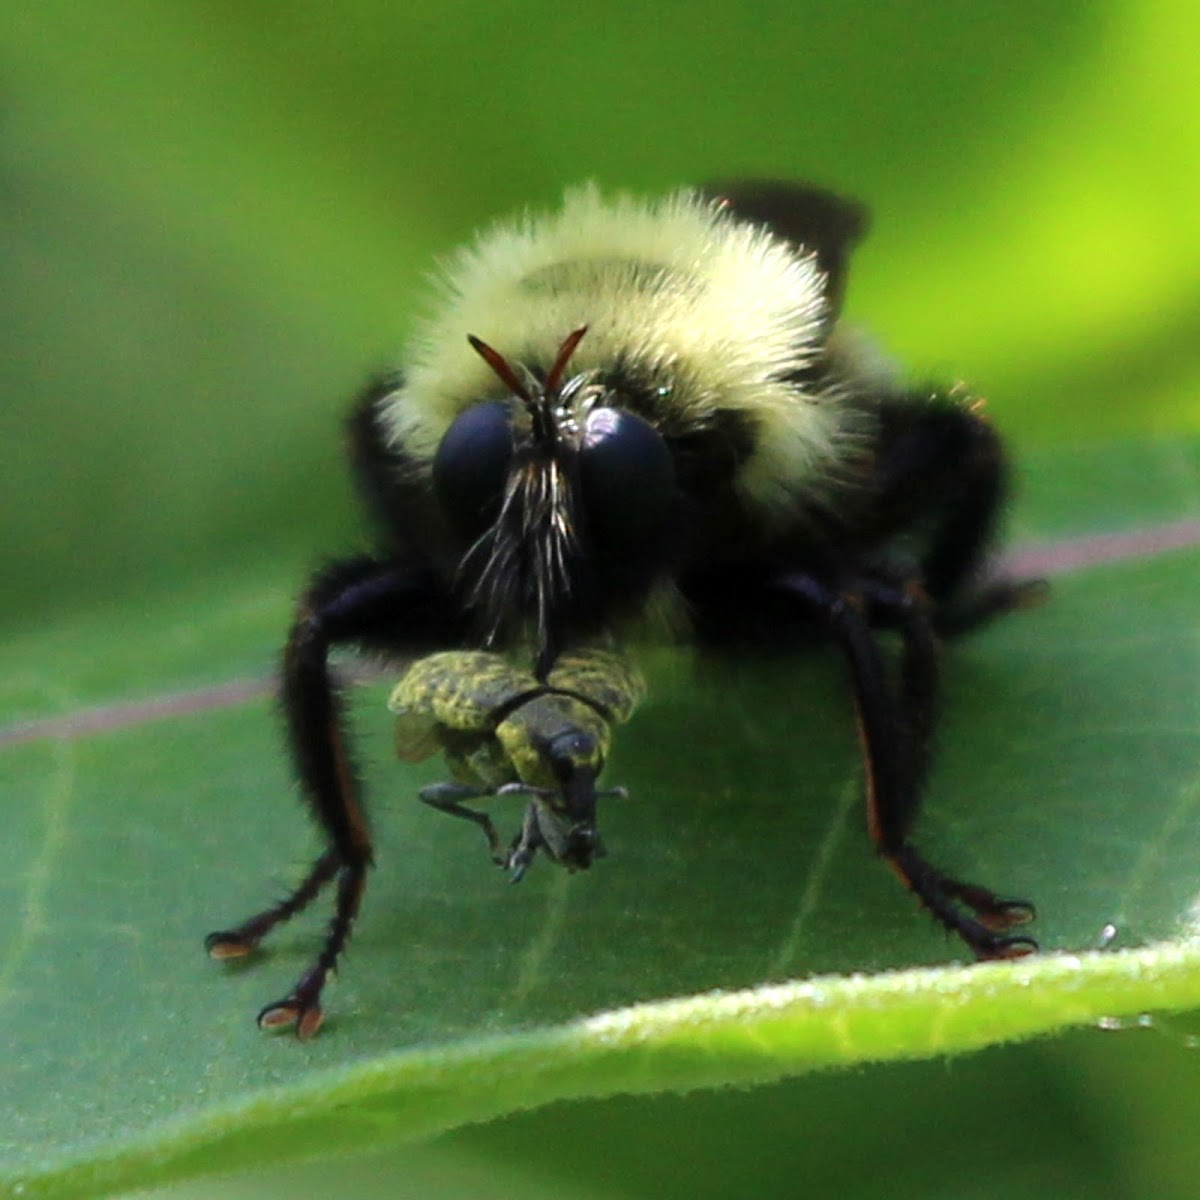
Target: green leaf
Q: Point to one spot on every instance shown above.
(1067, 774)
(213, 220)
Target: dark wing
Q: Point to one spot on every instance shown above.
(820, 221)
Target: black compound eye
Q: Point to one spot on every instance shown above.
(627, 477)
(471, 465)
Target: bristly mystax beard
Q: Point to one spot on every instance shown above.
(523, 563)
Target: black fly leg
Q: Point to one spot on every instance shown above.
(941, 467)
(243, 939)
(905, 607)
(355, 602)
(892, 758)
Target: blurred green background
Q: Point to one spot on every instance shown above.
(218, 217)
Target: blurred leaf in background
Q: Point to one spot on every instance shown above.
(218, 218)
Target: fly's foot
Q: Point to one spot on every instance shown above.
(997, 913)
(300, 1008)
(991, 948)
(228, 944)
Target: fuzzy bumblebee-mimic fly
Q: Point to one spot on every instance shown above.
(631, 418)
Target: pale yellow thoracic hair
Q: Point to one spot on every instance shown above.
(717, 312)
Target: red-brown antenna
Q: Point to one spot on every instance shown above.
(513, 381)
(554, 377)
(501, 366)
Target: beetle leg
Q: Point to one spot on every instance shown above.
(448, 798)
